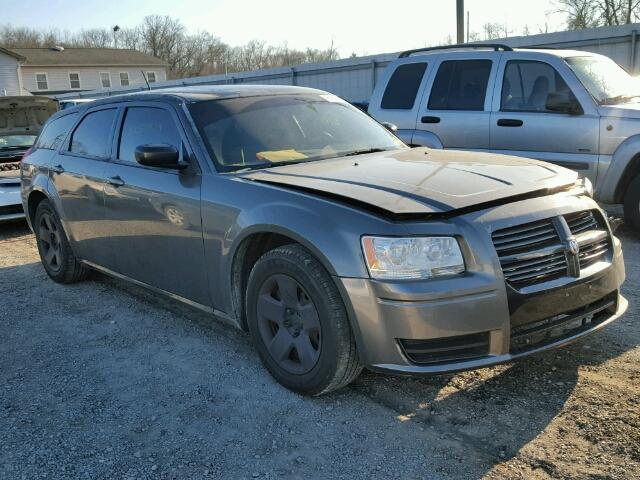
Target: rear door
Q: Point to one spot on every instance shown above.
(399, 102)
(77, 174)
(457, 103)
(153, 214)
(522, 125)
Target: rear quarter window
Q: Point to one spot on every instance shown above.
(403, 86)
(92, 137)
(55, 132)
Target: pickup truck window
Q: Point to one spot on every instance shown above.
(527, 84)
(144, 126)
(606, 81)
(460, 85)
(403, 86)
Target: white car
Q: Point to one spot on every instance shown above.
(21, 119)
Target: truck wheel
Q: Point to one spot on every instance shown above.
(55, 252)
(299, 324)
(632, 204)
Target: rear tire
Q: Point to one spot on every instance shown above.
(632, 205)
(299, 323)
(56, 255)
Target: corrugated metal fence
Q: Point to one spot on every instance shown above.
(354, 78)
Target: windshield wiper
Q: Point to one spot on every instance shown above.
(260, 166)
(617, 99)
(364, 151)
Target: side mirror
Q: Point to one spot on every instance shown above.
(563, 103)
(159, 155)
(390, 126)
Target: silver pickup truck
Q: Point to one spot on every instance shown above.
(572, 108)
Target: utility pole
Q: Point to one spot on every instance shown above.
(460, 21)
(468, 28)
(115, 29)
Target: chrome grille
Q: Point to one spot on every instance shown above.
(593, 253)
(525, 237)
(581, 222)
(536, 252)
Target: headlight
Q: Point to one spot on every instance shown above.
(390, 258)
(585, 183)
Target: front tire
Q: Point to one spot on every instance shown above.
(299, 323)
(632, 205)
(53, 246)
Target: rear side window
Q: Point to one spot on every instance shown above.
(54, 133)
(146, 126)
(403, 85)
(527, 85)
(460, 85)
(92, 137)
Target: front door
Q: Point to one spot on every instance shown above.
(153, 214)
(77, 175)
(457, 108)
(522, 124)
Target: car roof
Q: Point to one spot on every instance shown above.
(192, 94)
(461, 51)
(206, 92)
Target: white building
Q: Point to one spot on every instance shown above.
(57, 70)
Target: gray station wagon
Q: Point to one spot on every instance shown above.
(295, 216)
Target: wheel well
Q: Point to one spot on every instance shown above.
(32, 204)
(632, 170)
(248, 253)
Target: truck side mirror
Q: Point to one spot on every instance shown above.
(391, 127)
(563, 103)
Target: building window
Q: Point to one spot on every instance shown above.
(151, 77)
(74, 80)
(124, 79)
(41, 81)
(105, 79)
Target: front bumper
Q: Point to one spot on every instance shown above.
(10, 201)
(391, 319)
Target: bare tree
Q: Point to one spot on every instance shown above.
(94, 38)
(164, 37)
(595, 13)
(491, 31)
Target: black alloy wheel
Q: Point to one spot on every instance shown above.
(289, 324)
(298, 322)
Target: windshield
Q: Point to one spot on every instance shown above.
(266, 131)
(17, 142)
(605, 80)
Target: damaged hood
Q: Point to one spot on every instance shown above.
(421, 181)
(25, 115)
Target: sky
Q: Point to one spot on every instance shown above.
(354, 26)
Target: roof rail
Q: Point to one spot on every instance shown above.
(494, 46)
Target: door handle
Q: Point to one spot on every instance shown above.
(57, 169)
(510, 122)
(429, 119)
(115, 181)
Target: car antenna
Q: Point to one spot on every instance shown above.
(145, 80)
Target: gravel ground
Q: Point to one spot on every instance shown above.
(105, 380)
